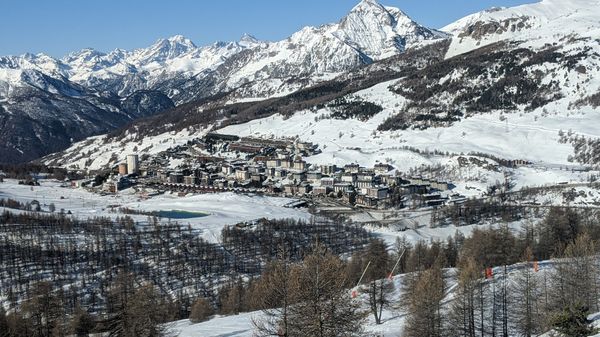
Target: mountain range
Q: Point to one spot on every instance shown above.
(532, 61)
(47, 103)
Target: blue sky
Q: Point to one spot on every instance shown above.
(60, 26)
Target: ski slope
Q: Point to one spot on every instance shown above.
(241, 325)
(393, 318)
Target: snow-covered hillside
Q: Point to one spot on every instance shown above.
(530, 136)
(537, 24)
(95, 153)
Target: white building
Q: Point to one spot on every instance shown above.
(133, 165)
(241, 175)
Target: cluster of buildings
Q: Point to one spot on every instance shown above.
(122, 180)
(220, 162)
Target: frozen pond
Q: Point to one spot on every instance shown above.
(177, 214)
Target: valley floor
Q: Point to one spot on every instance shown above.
(222, 208)
(231, 208)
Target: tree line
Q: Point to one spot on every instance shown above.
(77, 264)
(522, 301)
(500, 288)
(26, 171)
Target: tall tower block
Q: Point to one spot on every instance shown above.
(132, 164)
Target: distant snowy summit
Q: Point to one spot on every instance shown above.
(379, 31)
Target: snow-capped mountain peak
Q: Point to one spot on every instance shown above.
(86, 53)
(181, 40)
(38, 62)
(381, 31)
(85, 57)
(367, 5)
(248, 40)
(368, 12)
(165, 49)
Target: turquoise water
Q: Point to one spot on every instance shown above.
(175, 214)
